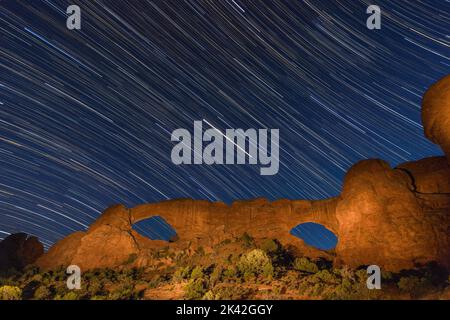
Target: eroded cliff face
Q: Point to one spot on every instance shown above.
(392, 217)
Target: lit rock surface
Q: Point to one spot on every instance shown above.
(392, 217)
(436, 114)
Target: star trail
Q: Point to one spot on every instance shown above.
(86, 115)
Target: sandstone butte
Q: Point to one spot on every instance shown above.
(396, 218)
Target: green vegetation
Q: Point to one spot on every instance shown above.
(195, 289)
(10, 293)
(255, 263)
(247, 241)
(305, 265)
(270, 246)
(242, 268)
(197, 273)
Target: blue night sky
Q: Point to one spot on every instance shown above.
(86, 115)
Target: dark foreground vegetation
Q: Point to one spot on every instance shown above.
(235, 269)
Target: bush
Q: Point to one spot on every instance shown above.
(305, 265)
(411, 284)
(123, 292)
(10, 293)
(270, 246)
(95, 287)
(247, 240)
(42, 293)
(255, 262)
(197, 273)
(68, 296)
(326, 276)
(209, 296)
(226, 292)
(229, 272)
(195, 289)
(216, 275)
(182, 273)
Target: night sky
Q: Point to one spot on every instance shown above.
(86, 115)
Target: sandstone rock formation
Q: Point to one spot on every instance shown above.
(111, 241)
(384, 220)
(396, 218)
(18, 250)
(436, 114)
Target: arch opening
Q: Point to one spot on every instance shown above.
(315, 235)
(156, 228)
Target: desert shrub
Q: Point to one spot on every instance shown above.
(10, 293)
(197, 273)
(387, 275)
(42, 293)
(342, 291)
(123, 292)
(68, 296)
(247, 241)
(351, 290)
(195, 289)
(345, 272)
(229, 272)
(182, 273)
(305, 265)
(227, 292)
(216, 275)
(255, 262)
(311, 287)
(156, 280)
(270, 246)
(407, 284)
(95, 287)
(280, 256)
(361, 275)
(209, 296)
(279, 290)
(412, 284)
(327, 277)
